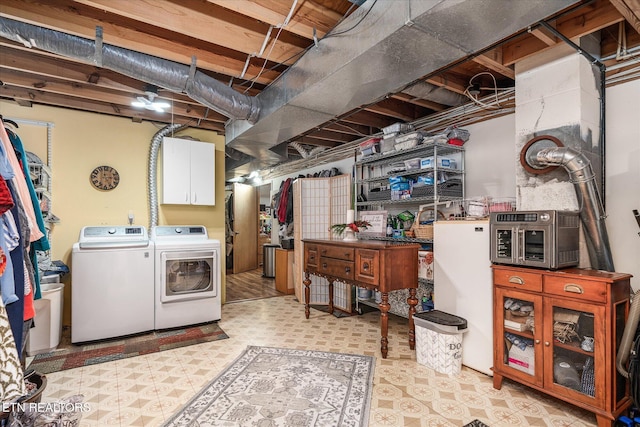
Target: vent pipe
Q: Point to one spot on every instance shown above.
(152, 182)
(543, 152)
(160, 72)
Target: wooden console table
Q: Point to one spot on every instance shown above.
(377, 265)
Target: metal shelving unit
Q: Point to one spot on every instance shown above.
(373, 172)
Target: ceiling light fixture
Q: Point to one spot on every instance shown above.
(149, 102)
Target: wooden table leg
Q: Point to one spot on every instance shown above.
(412, 301)
(497, 381)
(330, 296)
(384, 324)
(307, 294)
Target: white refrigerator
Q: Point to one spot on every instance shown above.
(463, 285)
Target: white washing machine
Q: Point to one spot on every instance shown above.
(187, 276)
(112, 289)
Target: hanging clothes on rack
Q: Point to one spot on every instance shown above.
(30, 232)
(41, 244)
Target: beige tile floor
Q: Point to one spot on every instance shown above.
(146, 390)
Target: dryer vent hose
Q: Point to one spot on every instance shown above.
(152, 182)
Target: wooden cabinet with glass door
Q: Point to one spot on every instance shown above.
(559, 331)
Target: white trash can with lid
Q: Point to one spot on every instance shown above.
(46, 334)
(439, 341)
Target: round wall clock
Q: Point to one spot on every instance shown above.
(104, 178)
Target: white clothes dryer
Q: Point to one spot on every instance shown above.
(187, 276)
(112, 289)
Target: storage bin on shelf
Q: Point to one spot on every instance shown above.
(443, 162)
(439, 341)
(456, 136)
(370, 146)
(408, 140)
(412, 164)
(397, 128)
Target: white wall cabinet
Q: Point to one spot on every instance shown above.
(188, 172)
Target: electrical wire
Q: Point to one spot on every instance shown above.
(475, 100)
(273, 44)
(302, 52)
(353, 26)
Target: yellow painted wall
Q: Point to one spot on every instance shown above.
(82, 141)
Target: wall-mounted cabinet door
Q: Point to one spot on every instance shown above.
(188, 172)
(203, 184)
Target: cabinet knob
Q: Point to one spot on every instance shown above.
(365, 266)
(347, 269)
(516, 280)
(547, 343)
(537, 341)
(324, 265)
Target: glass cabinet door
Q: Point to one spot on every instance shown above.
(574, 345)
(518, 332)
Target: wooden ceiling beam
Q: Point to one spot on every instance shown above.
(51, 75)
(54, 17)
(349, 128)
(434, 106)
(367, 118)
(196, 19)
(305, 18)
(493, 61)
(453, 84)
(397, 109)
(630, 9)
(88, 93)
(585, 20)
(61, 101)
(544, 35)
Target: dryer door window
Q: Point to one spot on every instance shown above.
(188, 275)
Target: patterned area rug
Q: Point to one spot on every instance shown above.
(269, 386)
(68, 355)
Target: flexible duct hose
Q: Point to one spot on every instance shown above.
(628, 336)
(304, 153)
(160, 72)
(152, 182)
(591, 211)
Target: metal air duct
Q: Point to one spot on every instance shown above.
(376, 51)
(544, 151)
(150, 69)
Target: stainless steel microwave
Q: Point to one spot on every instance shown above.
(545, 239)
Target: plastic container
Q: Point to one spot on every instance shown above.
(46, 334)
(439, 341)
(370, 146)
(412, 164)
(364, 294)
(397, 128)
